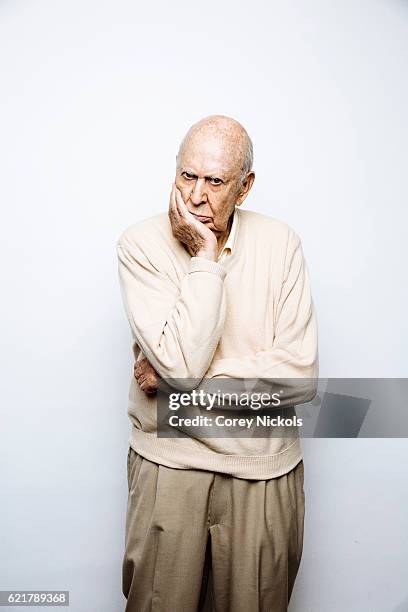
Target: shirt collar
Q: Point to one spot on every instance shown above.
(230, 244)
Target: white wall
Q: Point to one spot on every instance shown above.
(95, 97)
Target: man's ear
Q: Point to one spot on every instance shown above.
(246, 187)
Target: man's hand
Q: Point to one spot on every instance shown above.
(146, 376)
(196, 237)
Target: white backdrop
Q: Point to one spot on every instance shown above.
(95, 98)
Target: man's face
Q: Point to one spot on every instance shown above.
(207, 175)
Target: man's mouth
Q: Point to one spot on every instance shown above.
(201, 217)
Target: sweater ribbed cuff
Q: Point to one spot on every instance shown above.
(201, 264)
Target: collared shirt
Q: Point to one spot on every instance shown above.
(229, 245)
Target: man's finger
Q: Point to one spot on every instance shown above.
(140, 363)
(139, 373)
(181, 205)
(173, 209)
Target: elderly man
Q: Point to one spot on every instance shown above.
(214, 291)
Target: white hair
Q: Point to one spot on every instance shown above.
(247, 162)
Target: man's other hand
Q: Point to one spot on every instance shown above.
(146, 376)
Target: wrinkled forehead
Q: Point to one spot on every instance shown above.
(212, 153)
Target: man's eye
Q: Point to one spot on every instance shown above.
(216, 181)
(187, 175)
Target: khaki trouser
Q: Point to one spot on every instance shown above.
(248, 564)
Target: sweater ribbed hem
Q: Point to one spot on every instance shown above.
(173, 454)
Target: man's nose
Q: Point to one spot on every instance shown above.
(198, 195)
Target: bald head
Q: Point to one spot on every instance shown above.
(226, 134)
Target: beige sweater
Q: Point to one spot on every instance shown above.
(248, 315)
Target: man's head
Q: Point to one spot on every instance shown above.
(214, 169)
